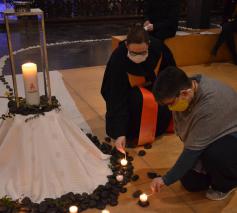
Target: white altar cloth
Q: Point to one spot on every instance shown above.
(48, 157)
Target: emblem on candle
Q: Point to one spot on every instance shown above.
(29, 71)
(124, 162)
(73, 209)
(119, 178)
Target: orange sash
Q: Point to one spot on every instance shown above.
(149, 108)
(148, 119)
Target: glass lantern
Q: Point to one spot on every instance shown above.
(43, 49)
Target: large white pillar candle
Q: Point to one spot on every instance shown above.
(30, 77)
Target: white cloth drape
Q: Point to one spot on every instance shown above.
(48, 157)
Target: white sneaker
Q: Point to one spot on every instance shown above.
(217, 195)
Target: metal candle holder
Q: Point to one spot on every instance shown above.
(43, 49)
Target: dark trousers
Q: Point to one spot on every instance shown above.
(135, 111)
(227, 35)
(220, 163)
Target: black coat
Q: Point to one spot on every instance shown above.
(115, 87)
(164, 15)
(229, 9)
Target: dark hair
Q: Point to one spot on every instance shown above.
(170, 82)
(137, 35)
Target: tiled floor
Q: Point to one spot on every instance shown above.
(84, 87)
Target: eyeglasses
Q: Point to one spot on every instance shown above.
(170, 102)
(137, 53)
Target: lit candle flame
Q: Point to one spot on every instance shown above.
(143, 197)
(124, 162)
(105, 211)
(119, 178)
(73, 209)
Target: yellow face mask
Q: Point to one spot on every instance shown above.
(180, 105)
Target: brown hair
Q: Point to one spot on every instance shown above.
(137, 35)
(170, 82)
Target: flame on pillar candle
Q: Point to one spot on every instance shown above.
(124, 162)
(143, 197)
(73, 209)
(30, 77)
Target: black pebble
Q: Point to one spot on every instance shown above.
(113, 203)
(92, 204)
(123, 190)
(113, 181)
(137, 193)
(141, 153)
(104, 194)
(26, 201)
(89, 135)
(148, 146)
(143, 204)
(152, 175)
(100, 206)
(135, 177)
(108, 139)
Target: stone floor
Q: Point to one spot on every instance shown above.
(84, 87)
(95, 51)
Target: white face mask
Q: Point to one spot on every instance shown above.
(137, 58)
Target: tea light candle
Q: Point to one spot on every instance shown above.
(143, 197)
(119, 178)
(143, 200)
(124, 162)
(73, 209)
(29, 71)
(105, 211)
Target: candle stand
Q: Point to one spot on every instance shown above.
(43, 49)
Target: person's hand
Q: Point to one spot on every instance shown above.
(120, 144)
(157, 184)
(146, 23)
(148, 26)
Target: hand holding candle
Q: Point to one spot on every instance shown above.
(29, 71)
(120, 144)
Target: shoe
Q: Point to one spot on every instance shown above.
(217, 195)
